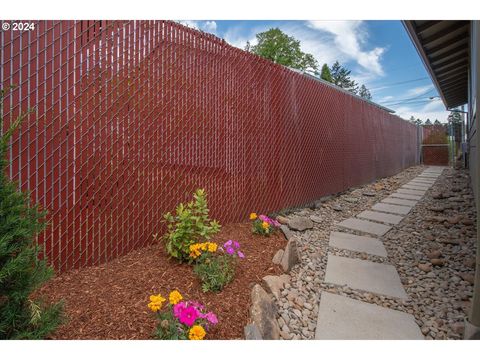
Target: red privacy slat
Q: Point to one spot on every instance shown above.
(132, 116)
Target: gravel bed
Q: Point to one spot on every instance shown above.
(439, 295)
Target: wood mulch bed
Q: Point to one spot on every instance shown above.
(110, 301)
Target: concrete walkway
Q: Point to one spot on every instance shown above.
(340, 317)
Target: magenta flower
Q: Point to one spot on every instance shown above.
(236, 245)
(264, 218)
(230, 250)
(240, 254)
(276, 223)
(178, 309)
(189, 315)
(211, 318)
(228, 244)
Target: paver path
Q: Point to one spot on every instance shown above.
(340, 317)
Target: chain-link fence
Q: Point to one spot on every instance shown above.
(132, 116)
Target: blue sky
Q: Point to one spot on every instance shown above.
(379, 53)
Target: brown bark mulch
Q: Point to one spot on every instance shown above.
(110, 301)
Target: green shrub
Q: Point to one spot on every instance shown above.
(21, 271)
(215, 271)
(189, 225)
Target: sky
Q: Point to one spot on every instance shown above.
(379, 54)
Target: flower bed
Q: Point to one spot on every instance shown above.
(110, 301)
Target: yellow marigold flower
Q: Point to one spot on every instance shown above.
(253, 216)
(212, 247)
(175, 297)
(156, 302)
(197, 332)
(265, 225)
(203, 246)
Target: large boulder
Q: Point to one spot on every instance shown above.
(290, 256)
(263, 314)
(277, 258)
(252, 332)
(300, 223)
(274, 284)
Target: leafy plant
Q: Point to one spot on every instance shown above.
(21, 271)
(216, 269)
(189, 225)
(263, 225)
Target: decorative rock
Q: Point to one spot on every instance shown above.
(351, 200)
(435, 254)
(369, 193)
(458, 327)
(274, 284)
(337, 207)
(282, 220)
(263, 314)
(300, 223)
(455, 219)
(286, 231)
(467, 277)
(467, 222)
(277, 258)
(425, 267)
(316, 219)
(470, 263)
(437, 262)
(290, 256)
(252, 332)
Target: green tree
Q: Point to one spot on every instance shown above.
(280, 48)
(325, 73)
(412, 119)
(364, 93)
(436, 122)
(21, 271)
(428, 122)
(341, 77)
(455, 117)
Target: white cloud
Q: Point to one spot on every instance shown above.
(207, 26)
(420, 90)
(210, 26)
(350, 37)
(433, 110)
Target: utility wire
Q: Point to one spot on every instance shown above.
(399, 83)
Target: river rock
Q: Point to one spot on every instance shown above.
(425, 267)
(282, 220)
(438, 262)
(290, 256)
(275, 284)
(435, 254)
(277, 258)
(263, 314)
(300, 223)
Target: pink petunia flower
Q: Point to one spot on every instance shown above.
(188, 316)
(236, 245)
(228, 244)
(211, 318)
(240, 254)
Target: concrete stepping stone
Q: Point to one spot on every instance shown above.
(424, 181)
(396, 201)
(365, 226)
(415, 187)
(419, 184)
(381, 217)
(394, 209)
(411, 192)
(357, 243)
(406, 196)
(428, 176)
(341, 318)
(364, 275)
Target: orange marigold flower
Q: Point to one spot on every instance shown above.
(197, 332)
(265, 225)
(253, 216)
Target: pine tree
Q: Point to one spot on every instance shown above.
(365, 93)
(428, 122)
(436, 122)
(341, 77)
(21, 271)
(325, 73)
